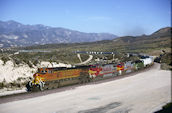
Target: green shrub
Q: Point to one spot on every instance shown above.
(28, 63)
(35, 62)
(3, 84)
(5, 59)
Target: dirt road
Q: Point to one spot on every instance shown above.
(145, 92)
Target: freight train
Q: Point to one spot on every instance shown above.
(50, 78)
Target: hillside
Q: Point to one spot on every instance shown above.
(34, 56)
(150, 44)
(15, 34)
(158, 40)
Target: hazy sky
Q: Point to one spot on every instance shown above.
(120, 17)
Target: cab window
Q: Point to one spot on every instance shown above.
(42, 71)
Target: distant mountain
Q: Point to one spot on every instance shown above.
(161, 33)
(153, 43)
(13, 34)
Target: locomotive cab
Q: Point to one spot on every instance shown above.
(39, 75)
(38, 79)
(42, 70)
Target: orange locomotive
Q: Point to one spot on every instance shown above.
(49, 78)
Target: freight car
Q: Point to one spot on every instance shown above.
(147, 61)
(49, 78)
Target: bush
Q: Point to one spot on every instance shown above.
(3, 84)
(17, 61)
(167, 58)
(165, 66)
(28, 63)
(35, 62)
(5, 59)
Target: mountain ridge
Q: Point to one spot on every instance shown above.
(14, 34)
(144, 43)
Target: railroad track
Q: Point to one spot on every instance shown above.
(27, 95)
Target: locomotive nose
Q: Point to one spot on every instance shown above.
(36, 78)
(35, 75)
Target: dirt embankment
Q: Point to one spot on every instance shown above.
(14, 76)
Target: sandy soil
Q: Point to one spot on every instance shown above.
(143, 93)
(10, 73)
